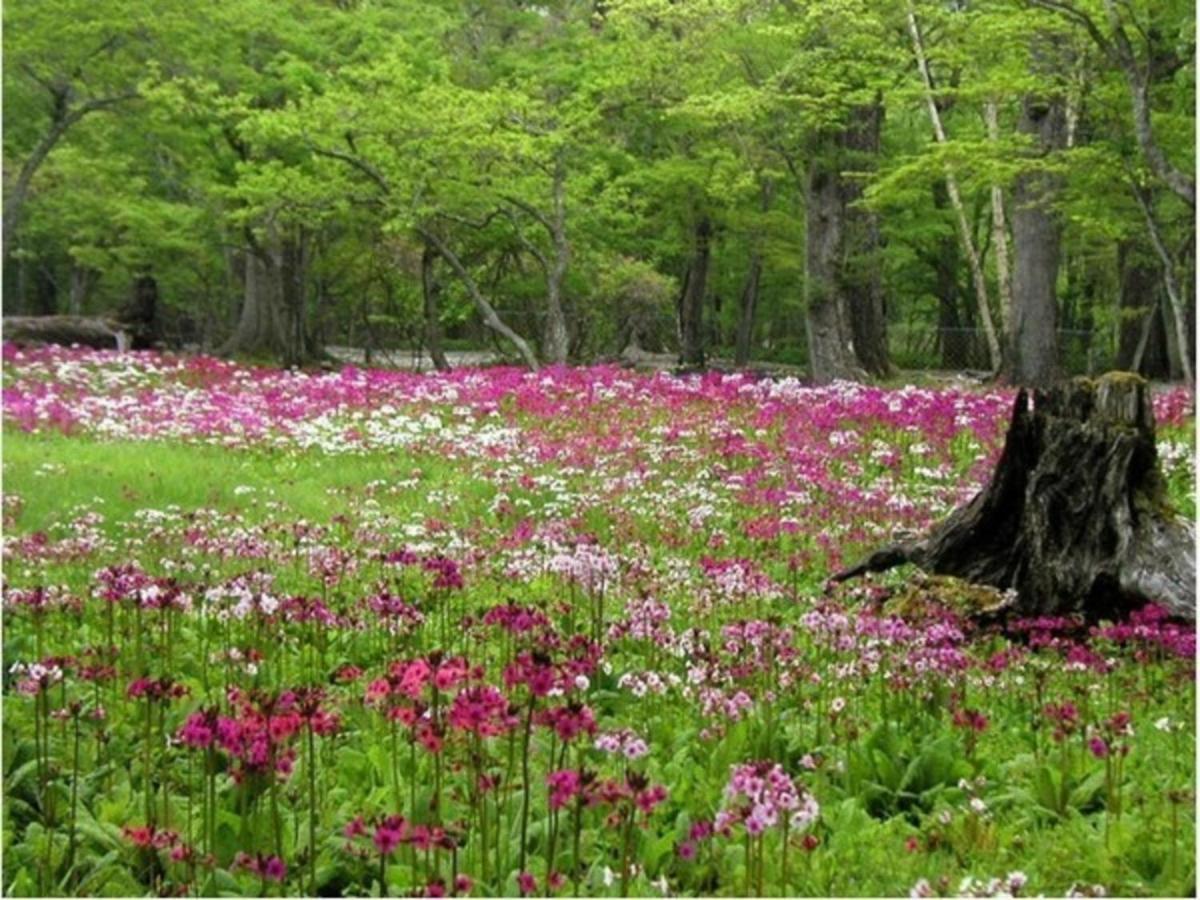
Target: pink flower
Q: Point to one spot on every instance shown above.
(274, 869)
(527, 884)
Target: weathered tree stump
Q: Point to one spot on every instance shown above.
(1075, 518)
(97, 333)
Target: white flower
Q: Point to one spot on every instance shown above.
(838, 704)
(582, 683)
(608, 876)
(1163, 724)
(921, 889)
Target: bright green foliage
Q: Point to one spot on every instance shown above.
(351, 127)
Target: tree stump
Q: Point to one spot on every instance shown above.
(1075, 518)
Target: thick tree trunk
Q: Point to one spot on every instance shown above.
(1033, 353)
(845, 317)
(431, 291)
(1075, 517)
(831, 353)
(258, 329)
(862, 270)
(691, 302)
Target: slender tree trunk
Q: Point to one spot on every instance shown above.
(82, 279)
(691, 305)
(431, 290)
(486, 311)
(1000, 235)
(1034, 353)
(293, 295)
(1141, 345)
(1170, 282)
(749, 298)
(557, 339)
(747, 308)
(45, 290)
(965, 236)
(954, 341)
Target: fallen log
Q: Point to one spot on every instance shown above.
(1075, 517)
(87, 331)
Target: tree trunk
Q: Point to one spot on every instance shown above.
(431, 290)
(746, 310)
(258, 330)
(293, 295)
(749, 297)
(1033, 353)
(1075, 518)
(486, 311)
(141, 312)
(691, 303)
(556, 339)
(94, 332)
(1170, 283)
(82, 279)
(1000, 236)
(45, 290)
(965, 236)
(1141, 344)
(831, 352)
(954, 340)
(843, 288)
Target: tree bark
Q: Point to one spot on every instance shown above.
(431, 291)
(843, 289)
(258, 330)
(1033, 353)
(1075, 518)
(691, 302)
(965, 237)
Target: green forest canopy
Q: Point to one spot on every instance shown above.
(846, 184)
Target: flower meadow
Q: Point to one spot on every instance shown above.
(493, 632)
